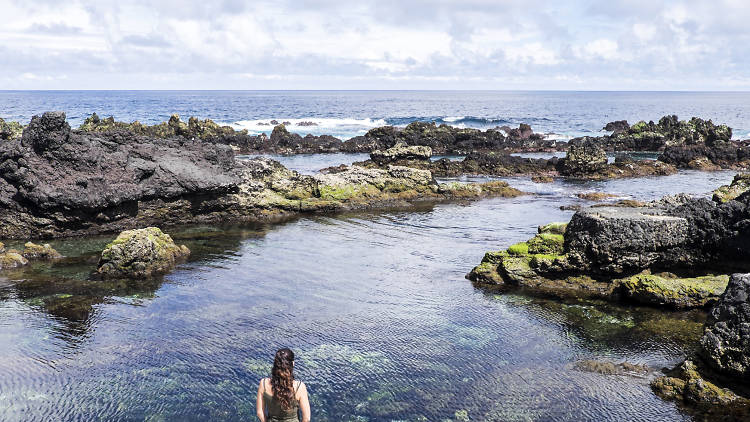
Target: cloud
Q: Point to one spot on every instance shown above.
(581, 44)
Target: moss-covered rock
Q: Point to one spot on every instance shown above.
(740, 184)
(546, 244)
(32, 251)
(140, 253)
(12, 259)
(670, 290)
(10, 130)
(554, 228)
(685, 383)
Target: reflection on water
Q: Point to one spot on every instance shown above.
(375, 305)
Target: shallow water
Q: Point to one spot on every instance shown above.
(375, 305)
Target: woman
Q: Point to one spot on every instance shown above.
(280, 397)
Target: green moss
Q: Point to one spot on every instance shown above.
(667, 289)
(546, 243)
(345, 192)
(639, 127)
(521, 248)
(486, 272)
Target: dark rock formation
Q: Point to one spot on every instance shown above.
(618, 126)
(444, 139)
(140, 253)
(669, 131)
(725, 345)
(585, 157)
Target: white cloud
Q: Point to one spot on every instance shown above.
(331, 44)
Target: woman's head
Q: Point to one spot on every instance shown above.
(282, 378)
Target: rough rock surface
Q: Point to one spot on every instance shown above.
(54, 181)
(585, 156)
(140, 253)
(444, 139)
(401, 151)
(618, 126)
(725, 344)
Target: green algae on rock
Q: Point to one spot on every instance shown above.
(32, 251)
(140, 253)
(668, 289)
(686, 383)
(10, 130)
(740, 184)
(547, 263)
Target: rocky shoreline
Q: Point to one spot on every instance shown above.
(56, 182)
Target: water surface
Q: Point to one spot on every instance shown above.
(375, 305)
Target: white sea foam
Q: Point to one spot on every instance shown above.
(320, 125)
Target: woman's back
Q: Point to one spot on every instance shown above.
(275, 412)
(292, 395)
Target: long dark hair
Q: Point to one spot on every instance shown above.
(282, 378)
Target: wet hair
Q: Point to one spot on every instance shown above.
(282, 378)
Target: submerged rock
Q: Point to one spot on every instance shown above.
(32, 251)
(685, 383)
(726, 342)
(140, 253)
(12, 259)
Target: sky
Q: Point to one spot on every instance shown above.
(375, 44)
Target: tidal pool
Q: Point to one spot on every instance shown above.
(375, 305)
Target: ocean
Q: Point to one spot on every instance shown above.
(345, 114)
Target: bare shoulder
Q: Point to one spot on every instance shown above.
(301, 386)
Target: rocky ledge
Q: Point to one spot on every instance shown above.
(55, 181)
(676, 252)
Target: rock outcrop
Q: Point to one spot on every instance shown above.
(675, 252)
(618, 126)
(725, 345)
(585, 157)
(140, 253)
(56, 182)
(13, 258)
(740, 184)
(444, 139)
(399, 152)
